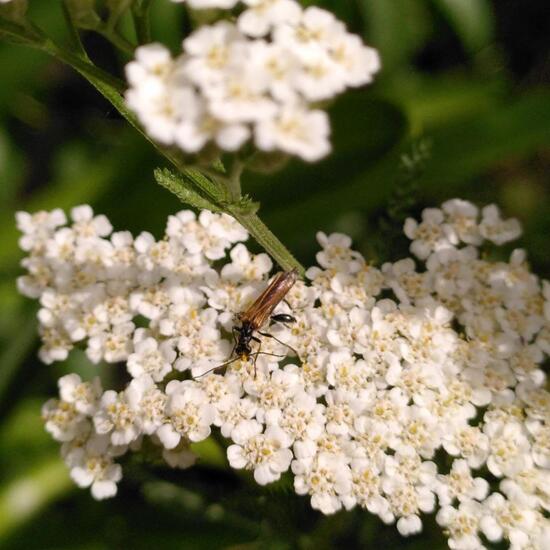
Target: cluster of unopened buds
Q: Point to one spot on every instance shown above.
(394, 365)
(262, 77)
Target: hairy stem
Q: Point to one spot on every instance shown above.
(234, 180)
(268, 241)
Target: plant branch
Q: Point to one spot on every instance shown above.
(234, 179)
(115, 39)
(73, 31)
(265, 238)
(140, 14)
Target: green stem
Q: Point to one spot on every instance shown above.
(117, 40)
(234, 180)
(74, 35)
(140, 13)
(269, 242)
(96, 76)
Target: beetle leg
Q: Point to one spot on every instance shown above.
(267, 335)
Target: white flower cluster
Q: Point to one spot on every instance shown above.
(414, 389)
(259, 78)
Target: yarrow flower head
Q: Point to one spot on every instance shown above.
(438, 355)
(258, 79)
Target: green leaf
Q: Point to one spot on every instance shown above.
(183, 190)
(167, 24)
(443, 100)
(475, 144)
(397, 28)
(26, 495)
(83, 13)
(472, 20)
(14, 352)
(11, 168)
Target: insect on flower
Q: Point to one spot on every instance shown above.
(257, 315)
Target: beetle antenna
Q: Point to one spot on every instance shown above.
(216, 368)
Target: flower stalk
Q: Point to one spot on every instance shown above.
(265, 237)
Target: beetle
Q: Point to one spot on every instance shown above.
(255, 317)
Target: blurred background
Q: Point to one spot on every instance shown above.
(460, 109)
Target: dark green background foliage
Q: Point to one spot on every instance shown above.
(463, 94)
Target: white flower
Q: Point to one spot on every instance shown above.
(297, 131)
(460, 484)
(420, 432)
(406, 283)
(428, 236)
(111, 346)
(494, 229)
(528, 487)
(276, 67)
(38, 227)
(257, 78)
(232, 412)
(502, 517)
(540, 449)
(211, 50)
(246, 267)
(194, 133)
(509, 451)
(152, 61)
(319, 76)
(62, 420)
(209, 4)
(366, 489)
(86, 225)
(189, 415)
(462, 217)
(462, 525)
(152, 405)
(326, 477)
(301, 418)
(314, 30)
(448, 361)
(240, 98)
(468, 442)
(92, 466)
(266, 453)
(359, 63)
(150, 358)
(160, 106)
(200, 346)
(211, 234)
(83, 395)
(406, 502)
(56, 344)
(261, 15)
(119, 416)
